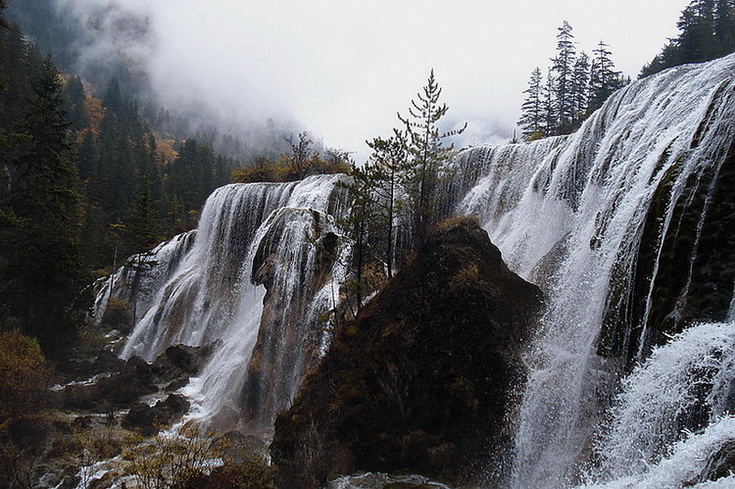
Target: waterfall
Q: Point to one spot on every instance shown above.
(686, 383)
(254, 242)
(626, 224)
(613, 223)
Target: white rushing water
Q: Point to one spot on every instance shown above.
(589, 217)
(212, 293)
(569, 214)
(689, 381)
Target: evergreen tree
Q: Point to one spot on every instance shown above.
(427, 155)
(386, 171)
(549, 106)
(42, 275)
(358, 224)
(706, 31)
(580, 89)
(563, 68)
(604, 80)
(532, 121)
(697, 42)
(74, 95)
(724, 24)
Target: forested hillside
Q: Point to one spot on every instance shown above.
(88, 179)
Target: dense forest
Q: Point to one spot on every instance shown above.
(576, 84)
(113, 182)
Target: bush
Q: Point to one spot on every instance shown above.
(24, 381)
(118, 315)
(24, 376)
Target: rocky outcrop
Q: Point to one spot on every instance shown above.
(300, 263)
(424, 379)
(114, 383)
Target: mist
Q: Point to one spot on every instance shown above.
(341, 69)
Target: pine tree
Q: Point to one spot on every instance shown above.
(358, 224)
(563, 68)
(532, 121)
(604, 80)
(42, 276)
(697, 41)
(387, 169)
(549, 106)
(580, 89)
(428, 156)
(74, 95)
(706, 31)
(724, 25)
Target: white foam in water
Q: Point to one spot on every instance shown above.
(566, 214)
(211, 295)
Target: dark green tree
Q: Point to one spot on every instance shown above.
(532, 121)
(74, 95)
(427, 155)
(563, 69)
(724, 23)
(706, 31)
(42, 276)
(386, 171)
(580, 89)
(358, 224)
(604, 79)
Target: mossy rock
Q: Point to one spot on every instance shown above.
(424, 379)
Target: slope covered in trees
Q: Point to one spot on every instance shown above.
(706, 32)
(575, 86)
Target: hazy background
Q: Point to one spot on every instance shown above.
(343, 68)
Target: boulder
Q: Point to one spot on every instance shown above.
(424, 379)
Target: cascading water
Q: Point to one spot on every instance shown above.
(619, 223)
(686, 383)
(250, 238)
(595, 219)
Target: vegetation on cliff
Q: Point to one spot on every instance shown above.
(424, 378)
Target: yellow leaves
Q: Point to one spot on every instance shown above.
(165, 151)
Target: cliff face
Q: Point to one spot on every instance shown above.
(424, 379)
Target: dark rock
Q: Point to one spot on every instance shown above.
(148, 420)
(124, 389)
(720, 464)
(145, 419)
(179, 362)
(177, 384)
(173, 407)
(107, 361)
(424, 379)
(76, 368)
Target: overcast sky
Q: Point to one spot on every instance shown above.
(342, 68)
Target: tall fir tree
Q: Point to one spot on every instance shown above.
(387, 169)
(604, 79)
(42, 275)
(563, 69)
(580, 89)
(427, 155)
(724, 24)
(706, 31)
(532, 121)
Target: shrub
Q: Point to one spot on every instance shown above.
(118, 315)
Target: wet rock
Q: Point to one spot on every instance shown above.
(145, 419)
(423, 380)
(148, 420)
(179, 362)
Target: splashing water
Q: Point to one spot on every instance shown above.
(575, 214)
(214, 294)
